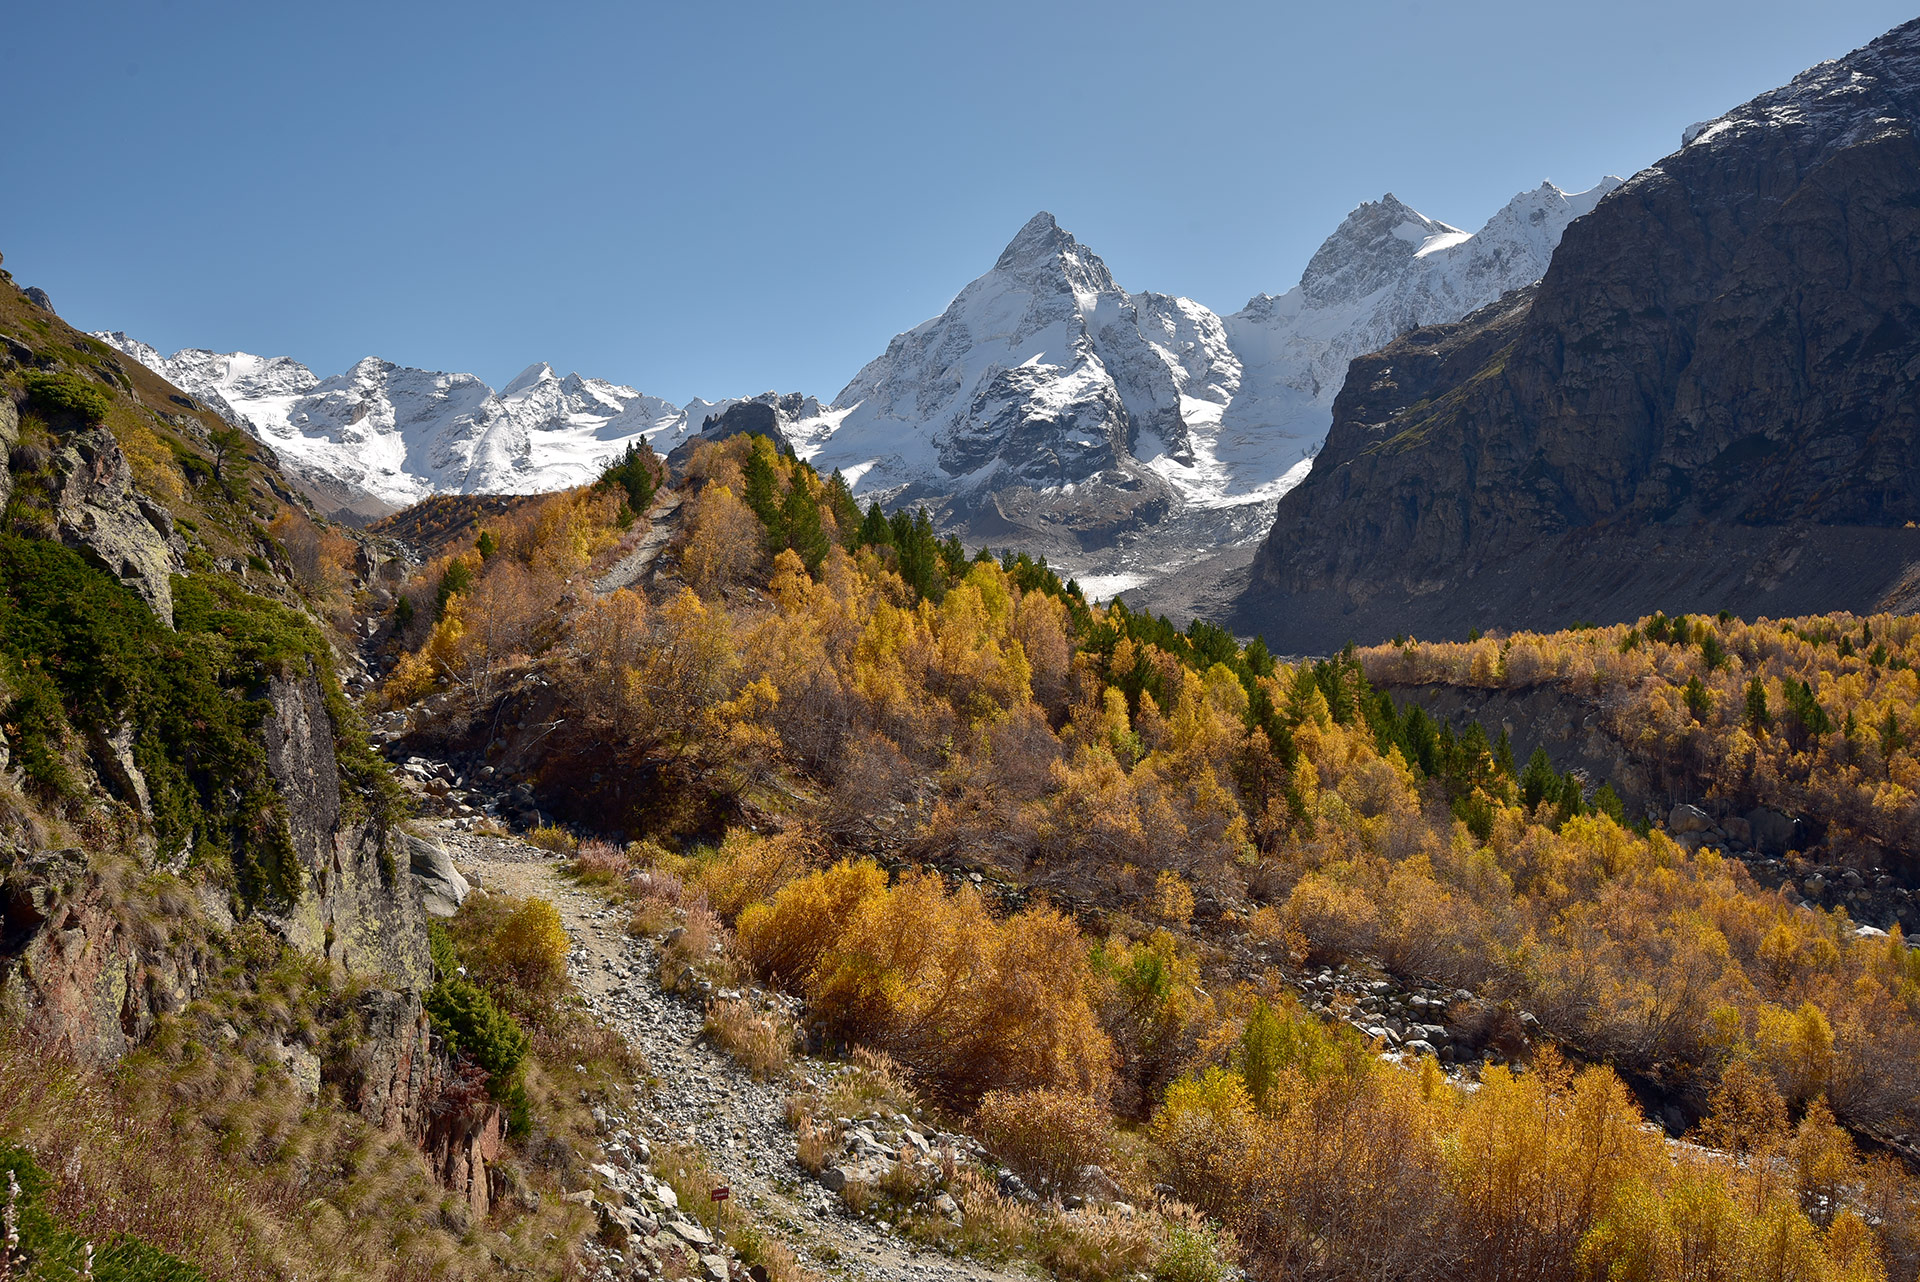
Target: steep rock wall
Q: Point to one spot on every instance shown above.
(1713, 400)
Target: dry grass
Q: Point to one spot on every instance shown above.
(815, 1143)
(204, 1149)
(761, 1041)
(552, 838)
(1091, 1245)
(687, 1171)
(872, 1082)
(700, 948)
(600, 863)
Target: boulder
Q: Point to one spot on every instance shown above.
(1098, 1186)
(833, 1179)
(442, 888)
(1773, 833)
(1686, 818)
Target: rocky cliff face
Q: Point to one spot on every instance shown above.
(1711, 401)
(101, 515)
(360, 908)
(75, 970)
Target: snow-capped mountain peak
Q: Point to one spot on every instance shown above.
(1045, 395)
(395, 434)
(1370, 248)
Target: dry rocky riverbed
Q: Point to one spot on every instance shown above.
(698, 1096)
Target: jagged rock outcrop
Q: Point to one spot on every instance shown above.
(102, 516)
(358, 908)
(401, 1081)
(1711, 401)
(763, 416)
(74, 969)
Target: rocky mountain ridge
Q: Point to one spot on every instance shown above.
(381, 436)
(1708, 403)
(1119, 432)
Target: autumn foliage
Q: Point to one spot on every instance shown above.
(1168, 801)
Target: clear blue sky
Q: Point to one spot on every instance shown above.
(714, 199)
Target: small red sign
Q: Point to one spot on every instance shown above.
(721, 1194)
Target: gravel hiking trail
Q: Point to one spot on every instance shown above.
(700, 1095)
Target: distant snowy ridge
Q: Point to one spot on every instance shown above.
(400, 434)
(1043, 377)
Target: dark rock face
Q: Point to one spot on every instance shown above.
(359, 907)
(762, 416)
(1711, 401)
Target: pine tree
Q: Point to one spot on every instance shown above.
(1540, 780)
(1712, 652)
(637, 475)
(846, 512)
(762, 490)
(875, 530)
(1262, 1053)
(1572, 800)
(1758, 719)
(800, 521)
(1699, 702)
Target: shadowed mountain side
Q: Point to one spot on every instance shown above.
(1708, 403)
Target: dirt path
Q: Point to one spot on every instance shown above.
(702, 1097)
(663, 520)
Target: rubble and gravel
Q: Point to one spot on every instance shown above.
(696, 1095)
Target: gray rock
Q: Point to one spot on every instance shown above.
(38, 297)
(1421, 1046)
(690, 1232)
(442, 888)
(99, 514)
(1098, 1186)
(833, 1179)
(1686, 818)
(715, 1267)
(1773, 833)
(302, 1065)
(9, 437)
(113, 757)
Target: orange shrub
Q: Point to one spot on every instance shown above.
(1046, 1136)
